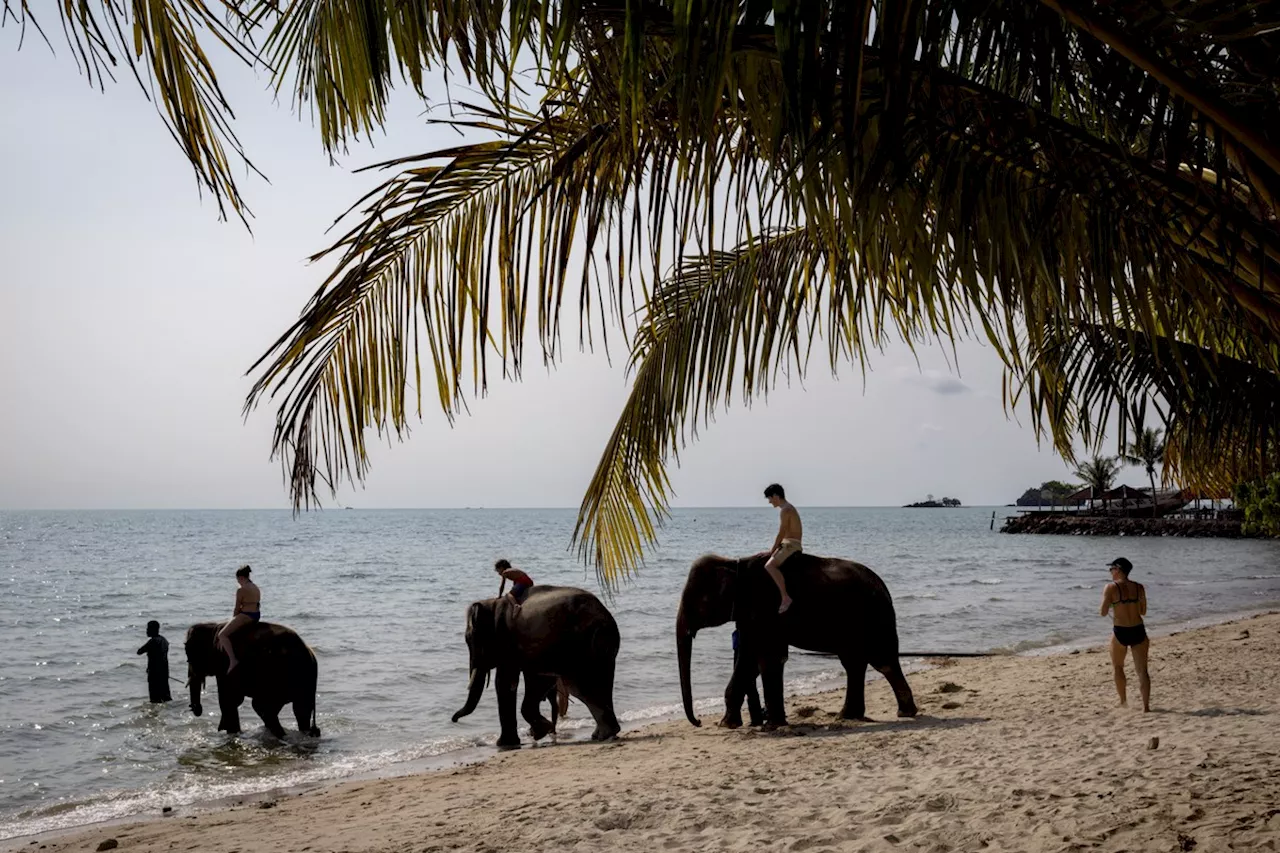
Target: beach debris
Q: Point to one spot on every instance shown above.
(891, 838)
(950, 706)
(1243, 635)
(166, 810)
(949, 687)
(1186, 842)
(806, 711)
(270, 804)
(109, 844)
(1154, 743)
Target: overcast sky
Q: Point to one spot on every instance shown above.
(129, 314)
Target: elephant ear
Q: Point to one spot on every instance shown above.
(482, 633)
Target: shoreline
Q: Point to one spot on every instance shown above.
(412, 775)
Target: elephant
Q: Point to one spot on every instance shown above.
(559, 632)
(276, 668)
(839, 607)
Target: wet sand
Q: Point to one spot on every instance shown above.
(1009, 753)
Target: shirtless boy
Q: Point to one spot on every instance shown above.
(520, 582)
(786, 543)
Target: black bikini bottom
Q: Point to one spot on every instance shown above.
(1132, 636)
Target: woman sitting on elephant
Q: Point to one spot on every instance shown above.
(248, 609)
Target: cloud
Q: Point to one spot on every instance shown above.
(928, 428)
(934, 380)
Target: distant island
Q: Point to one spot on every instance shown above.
(929, 503)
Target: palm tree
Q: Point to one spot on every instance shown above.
(1099, 473)
(1147, 450)
(1093, 188)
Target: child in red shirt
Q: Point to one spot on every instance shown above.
(520, 582)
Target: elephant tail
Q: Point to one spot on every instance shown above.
(605, 640)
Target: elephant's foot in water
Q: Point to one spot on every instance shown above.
(733, 720)
(604, 732)
(508, 742)
(540, 728)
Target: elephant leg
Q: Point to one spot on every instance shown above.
(771, 677)
(229, 705)
(506, 683)
(304, 711)
(855, 698)
(536, 688)
(741, 683)
(898, 681)
(269, 711)
(597, 694)
(754, 711)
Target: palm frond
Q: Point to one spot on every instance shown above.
(1221, 414)
(164, 45)
(442, 259)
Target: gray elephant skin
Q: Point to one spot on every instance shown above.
(276, 669)
(839, 607)
(558, 632)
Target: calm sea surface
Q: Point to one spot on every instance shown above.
(381, 597)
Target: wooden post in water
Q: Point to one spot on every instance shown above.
(993, 519)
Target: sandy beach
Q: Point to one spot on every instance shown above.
(1009, 753)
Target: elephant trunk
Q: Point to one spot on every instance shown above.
(196, 683)
(474, 689)
(684, 650)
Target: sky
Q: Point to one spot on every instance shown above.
(129, 315)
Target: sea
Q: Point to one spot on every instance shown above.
(381, 596)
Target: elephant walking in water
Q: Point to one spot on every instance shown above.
(839, 607)
(276, 668)
(558, 632)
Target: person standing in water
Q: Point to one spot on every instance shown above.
(156, 648)
(786, 543)
(1126, 601)
(247, 611)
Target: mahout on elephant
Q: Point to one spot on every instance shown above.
(839, 607)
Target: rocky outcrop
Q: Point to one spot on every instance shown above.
(1070, 524)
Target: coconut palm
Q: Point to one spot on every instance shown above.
(1099, 473)
(1147, 450)
(1093, 188)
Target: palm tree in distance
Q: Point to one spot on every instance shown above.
(1147, 450)
(1099, 473)
(725, 189)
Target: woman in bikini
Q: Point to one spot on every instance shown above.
(1126, 601)
(248, 610)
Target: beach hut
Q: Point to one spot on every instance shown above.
(1124, 494)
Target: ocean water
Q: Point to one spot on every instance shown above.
(381, 597)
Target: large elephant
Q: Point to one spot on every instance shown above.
(839, 607)
(558, 632)
(276, 668)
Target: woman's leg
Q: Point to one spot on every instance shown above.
(224, 637)
(1144, 679)
(1117, 666)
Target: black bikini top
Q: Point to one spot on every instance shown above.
(1120, 592)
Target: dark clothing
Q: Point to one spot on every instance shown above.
(157, 651)
(1132, 636)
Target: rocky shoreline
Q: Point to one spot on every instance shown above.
(1071, 524)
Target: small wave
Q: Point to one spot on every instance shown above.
(1187, 583)
(1080, 586)
(1263, 577)
(914, 596)
(988, 581)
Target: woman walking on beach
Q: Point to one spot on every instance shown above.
(248, 610)
(1127, 602)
